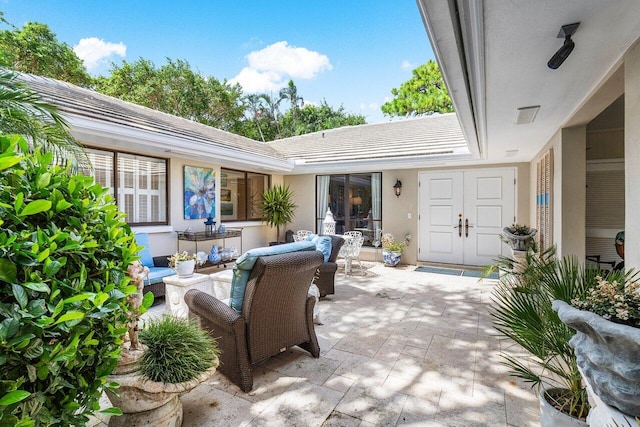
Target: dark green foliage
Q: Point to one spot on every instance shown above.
(277, 207)
(35, 49)
(519, 230)
(64, 249)
(522, 311)
(175, 88)
(177, 350)
(424, 93)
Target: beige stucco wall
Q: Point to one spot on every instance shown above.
(396, 210)
(569, 193)
(163, 241)
(632, 155)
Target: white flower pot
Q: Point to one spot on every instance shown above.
(608, 355)
(551, 417)
(185, 268)
(391, 258)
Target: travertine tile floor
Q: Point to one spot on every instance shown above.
(398, 348)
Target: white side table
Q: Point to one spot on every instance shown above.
(177, 287)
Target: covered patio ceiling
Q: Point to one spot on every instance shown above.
(494, 57)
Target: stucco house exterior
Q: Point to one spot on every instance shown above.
(554, 149)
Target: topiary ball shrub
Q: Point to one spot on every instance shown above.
(64, 249)
(178, 350)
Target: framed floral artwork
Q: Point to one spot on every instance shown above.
(199, 192)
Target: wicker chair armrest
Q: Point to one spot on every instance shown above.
(212, 309)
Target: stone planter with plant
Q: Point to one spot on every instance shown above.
(607, 339)
(175, 358)
(522, 311)
(278, 208)
(519, 237)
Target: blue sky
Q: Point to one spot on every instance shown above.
(349, 52)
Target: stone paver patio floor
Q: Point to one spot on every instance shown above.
(398, 348)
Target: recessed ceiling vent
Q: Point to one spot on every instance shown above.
(526, 115)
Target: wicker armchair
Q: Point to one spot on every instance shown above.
(276, 314)
(326, 280)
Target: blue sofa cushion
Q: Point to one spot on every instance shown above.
(157, 273)
(244, 265)
(323, 244)
(142, 239)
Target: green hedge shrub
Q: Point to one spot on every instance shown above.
(64, 249)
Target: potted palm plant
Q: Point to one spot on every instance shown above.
(278, 207)
(523, 312)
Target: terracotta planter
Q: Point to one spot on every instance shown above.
(391, 258)
(608, 355)
(551, 417)
(185, 268)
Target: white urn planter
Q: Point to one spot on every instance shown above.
(185, 268)
(551, 417)
(519, 242)
(608, 355)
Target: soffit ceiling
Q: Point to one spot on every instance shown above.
(516, 39)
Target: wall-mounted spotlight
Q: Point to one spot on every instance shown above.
(566, 31)
(397, 187)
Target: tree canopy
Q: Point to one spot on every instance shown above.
(175, 88)
(35, 49)
(424, 93)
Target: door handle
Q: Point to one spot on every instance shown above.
(466, 227)
(459, 227)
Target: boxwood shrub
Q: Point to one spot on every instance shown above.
(64, 249)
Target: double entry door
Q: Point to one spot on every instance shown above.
(462, 214)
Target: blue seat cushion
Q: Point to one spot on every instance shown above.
(142, 239)
(157, 273)
(323, 244)
(244, 265)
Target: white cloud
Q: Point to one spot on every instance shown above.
(407, 66)
(271, 67)
(94, 52)
(374, 106)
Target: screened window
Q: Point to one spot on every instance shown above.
(355, 201)
(241, 195)
(138, 184)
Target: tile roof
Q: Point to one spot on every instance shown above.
(75, 100)
(434, 136)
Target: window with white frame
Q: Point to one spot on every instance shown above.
(138, 184)
(355, 201)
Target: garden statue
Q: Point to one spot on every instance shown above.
(138, 272)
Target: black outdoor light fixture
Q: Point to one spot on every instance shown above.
(566, 31)
(397, 187)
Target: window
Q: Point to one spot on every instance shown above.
(355, 201)
(138, 184)
(241, 195)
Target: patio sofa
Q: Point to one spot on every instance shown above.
(276, 311)
(158, 267)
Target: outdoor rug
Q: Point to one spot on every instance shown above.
(454, 272)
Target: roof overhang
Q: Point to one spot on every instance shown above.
(103, 134)
(494, 54)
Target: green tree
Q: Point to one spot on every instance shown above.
(312, 118)
(424, 93)
(290, 93)
(35, 49)
(175, 88)
(23, 112)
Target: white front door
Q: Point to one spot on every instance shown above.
(462, 214)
